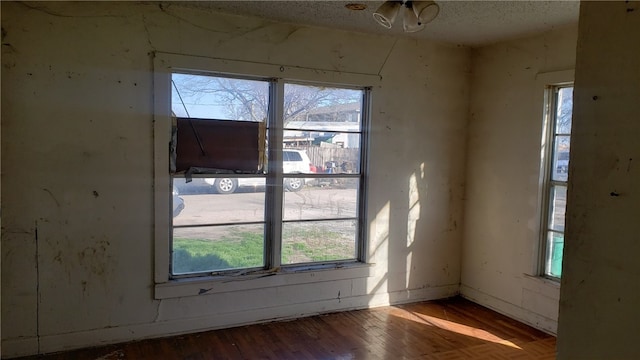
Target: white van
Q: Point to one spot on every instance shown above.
(294, 162)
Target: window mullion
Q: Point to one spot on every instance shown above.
(555, 231)
(274, 200)
(362, 246)
(553, 183)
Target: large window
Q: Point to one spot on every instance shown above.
(265, 173)
(558, 138)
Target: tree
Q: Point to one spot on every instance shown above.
(565, 110)
(248, 100)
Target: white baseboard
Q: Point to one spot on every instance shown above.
(119, 334)
(519, 313)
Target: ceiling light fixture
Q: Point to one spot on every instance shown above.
(415, 14)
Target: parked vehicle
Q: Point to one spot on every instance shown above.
(294, 162)
(562, 164)
(178, 202)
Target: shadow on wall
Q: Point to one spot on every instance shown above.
(417, 201)
(396, 241)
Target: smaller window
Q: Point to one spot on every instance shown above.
(556, 182)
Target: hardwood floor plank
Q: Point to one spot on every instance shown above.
(448, 329)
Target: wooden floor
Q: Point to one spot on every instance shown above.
(443, 329)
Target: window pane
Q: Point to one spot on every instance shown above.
(304, 242)
(558, 208)
(219, 200)
(327, 152)
(212, 97)
(322, 199)
(560, 163)
(555, 246)
(564, 110)
(216, 248)
(322, 108)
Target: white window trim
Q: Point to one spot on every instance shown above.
(545, 82)
(165, 287)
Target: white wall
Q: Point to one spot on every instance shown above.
(77, 156)
(599, 317)
(502, 222)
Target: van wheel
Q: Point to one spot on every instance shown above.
(293, 184)
(225, 185)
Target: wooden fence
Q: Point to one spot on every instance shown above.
(346, 160)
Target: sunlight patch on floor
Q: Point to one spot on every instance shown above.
(454, 327)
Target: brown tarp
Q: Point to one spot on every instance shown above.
(231, 145)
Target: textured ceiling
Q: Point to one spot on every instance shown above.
(470, 23)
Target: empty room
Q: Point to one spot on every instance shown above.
(320, 179)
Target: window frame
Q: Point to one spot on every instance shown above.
(164, 65)
(551, 82)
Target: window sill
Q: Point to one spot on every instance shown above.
(263, 279)
(542, 285)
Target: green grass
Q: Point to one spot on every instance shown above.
(245, 250)
(240, 251)
(314, 244)
(557, 248)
